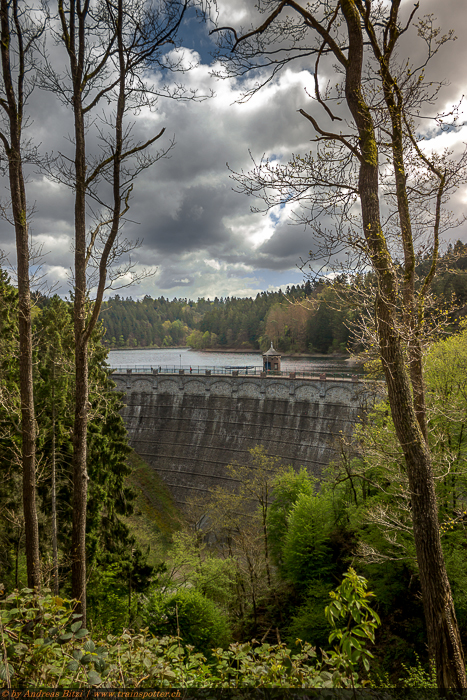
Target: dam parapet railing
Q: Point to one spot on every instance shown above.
(250, 371)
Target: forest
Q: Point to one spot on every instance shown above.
(356, 581)
(185, 594)
(319, 316)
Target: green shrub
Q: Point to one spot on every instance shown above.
(309, 623)
(189, 614)
(287, 488)
(46, 646)
(349, 608)
(108, 600)
(306, 550)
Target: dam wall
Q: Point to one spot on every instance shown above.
(190, 427)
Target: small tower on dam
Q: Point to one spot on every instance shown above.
(271, 360)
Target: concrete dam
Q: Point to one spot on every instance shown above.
(189, 427)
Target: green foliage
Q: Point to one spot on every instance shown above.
(187, 613)
(188, 562)
(11, 520)
(379, 499)
(239, 521)
(306, 548)
(192, 591)
(352, 619)
(214, 578)
(287, 488)
(418, 676)
(109, 498)
(232, 322)
(44, 639)
(414, 676)
(47, 647)
(308, 622)
(108, 600)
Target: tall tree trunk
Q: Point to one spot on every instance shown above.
(443, 634)
(444, 641)
(28, 422)
(80, 475)
(13, 106)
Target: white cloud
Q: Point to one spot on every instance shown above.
(199, 236)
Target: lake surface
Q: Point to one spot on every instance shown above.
(184, 358)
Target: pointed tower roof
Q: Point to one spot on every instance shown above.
(271, 351)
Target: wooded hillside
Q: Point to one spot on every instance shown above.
(316, 316)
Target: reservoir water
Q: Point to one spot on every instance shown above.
(174, 359)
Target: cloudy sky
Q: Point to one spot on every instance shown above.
(198, 236)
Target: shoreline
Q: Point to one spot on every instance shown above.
(293, 355)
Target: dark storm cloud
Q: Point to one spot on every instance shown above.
(285, 247)
(196, 223)
(198, 234)
(171, 278)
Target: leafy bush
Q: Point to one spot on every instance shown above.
(306, 549)
(308, 623)
(350, 608)
(415, 676)
(287, 488)
(46, 643)
(108, 599)
(189, 614)
(47, 647)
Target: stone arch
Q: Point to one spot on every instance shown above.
(195, 387)
(144, 385)
(249, 390)
(120, 384)
(167, 386)
(221, 388)
(277, 390)
(307, 392)
(339, 394)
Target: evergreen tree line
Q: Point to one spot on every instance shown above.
(314, 317)
(109, 541)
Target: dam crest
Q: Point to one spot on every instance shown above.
(190, 427)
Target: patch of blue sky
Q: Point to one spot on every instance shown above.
(275, 217)
(194, 35)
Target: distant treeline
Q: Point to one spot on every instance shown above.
(310, 317)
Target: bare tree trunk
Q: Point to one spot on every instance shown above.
(13, 106)
(18, 549)
(80, 475)
(28, 423)
(443, 635)
(266, 547)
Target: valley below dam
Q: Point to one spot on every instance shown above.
(189, 427)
